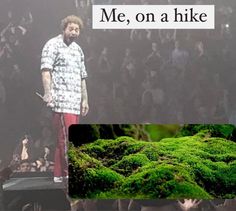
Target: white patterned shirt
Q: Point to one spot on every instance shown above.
(66, 65)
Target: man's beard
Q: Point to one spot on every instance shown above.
(68, 40)
(71, 39)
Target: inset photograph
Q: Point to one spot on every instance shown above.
(150, 161)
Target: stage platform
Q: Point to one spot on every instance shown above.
(35, 190)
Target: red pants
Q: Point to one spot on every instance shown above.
(61, 123)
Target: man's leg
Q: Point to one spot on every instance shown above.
(61, 124)
(68, 119)
(58, 131)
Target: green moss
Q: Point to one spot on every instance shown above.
(92, 181)
(81, 160)
(95, 150)
(215, 130)
(188, 190)
(186, 167)
(218, 146)
(113, 149)
(151, 151)
(158, 182)
(128, 164)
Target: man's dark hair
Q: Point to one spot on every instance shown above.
(71, 19)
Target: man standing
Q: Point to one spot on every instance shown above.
(63, 76)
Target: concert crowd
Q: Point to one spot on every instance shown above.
(135, 76)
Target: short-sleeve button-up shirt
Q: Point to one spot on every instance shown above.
(66, 65)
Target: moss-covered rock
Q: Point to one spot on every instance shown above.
(196, 166)
(88, 174)
(216, 130)
(129, 163)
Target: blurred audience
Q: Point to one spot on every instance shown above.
(136, 76)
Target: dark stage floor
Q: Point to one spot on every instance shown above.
(35, 190)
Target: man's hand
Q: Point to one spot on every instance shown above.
(189, 203)
(84, 108)
(47, 98)
(46, 78)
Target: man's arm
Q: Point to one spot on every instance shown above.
(46, 78)
(84, 105)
